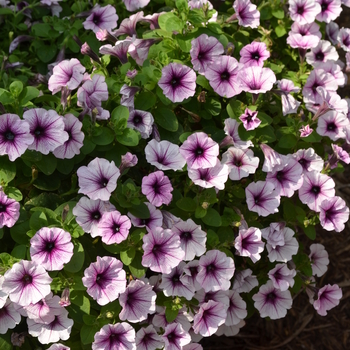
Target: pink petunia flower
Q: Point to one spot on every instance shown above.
(319, 259)
(328, 297)
(148, 339)
(247, 13)
(334, 214)
(248, 243)
(304, 11)
(105, 279)
(9, 317)
(256, 79)
(9, 210)
(281, 277)
(254, 54)
(249, 119)
(101, 18)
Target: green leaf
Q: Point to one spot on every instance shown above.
(16, 88)
(77, 261)
(88, 146)
(229, 216)
(266, 134)
(169, 22)
(212, 239)
(234, 109)
(182, 5)
(47, 164)
(38, 220)
(171, 311)
(28, 94)
(310, 231)
(6, 11)
(137, 235)
(141, 211)
(212, 218)
(265, 119)
(7, 170)
(127, 256)
(265, 13)
(145, 101)
(80, 306)
(166, 118)
(203, 82)
(5, 339)
(46, 53)
(226, 234)
(287, 141)
(89, 320)
(105, 137)
(6, 98)
(186, 204)
(280, 31)
(18, 232)
(278, 13)
(119, 117)
(42, 30)
(14, 193)
(129, 137)
(47, 183)
(200, 212)
(136, 268)
(19, 252)
(65, 166)
(303, 263)
(212, 106)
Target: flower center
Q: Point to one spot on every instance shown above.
(156, 187)
(302, 162)
(237, 163)
(9, 135)
(176, 278)
(27, 279)
(39, 132)
(96, 19)
(114, 340)
(50, 246)
(316, 189)
(116, 228)
(104, 182)
(144, 222)
(300, 10)
(199, 151)
(271, 296)
(2, 208)
(137, 119)
(324, 7)
(155, 248)
(225, 75)
(279, 175)
(186, 235)
(331, 127)
(210, 268)
(174, 82)
(69, 132)
(96, 215)
(255, 56)
(319, 56)
(99, 278)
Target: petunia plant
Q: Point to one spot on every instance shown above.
(166, 167)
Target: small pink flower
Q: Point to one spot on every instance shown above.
(305, 130)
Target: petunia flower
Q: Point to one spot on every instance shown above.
(89, 213)
(254, 54)
(119, 336)
(305, 130)
(315, 189)
(128, 160)
(148, 339)
(14, 136)
(272, 302)
(26, 283)
(139, 49)
(119, 50)
(155, 220)
(249, 119)
(58, 347)
(333, 214)
(101, 18)
(178, 82)
(192, 238)
(72, 146)
(105, 279)
(51, 248)
(128, 96)
(223, 76)
(157, 188)
(45, 310)
(343, 38)
(255, 79)
(9, 210)
(200, 151)
(262, 198)
(183, 318)
(141, 121)
(244, 281)
(328, 297)
(281, 277)
(319, 259)
(99, 179)
(274, 161)
(288, 179)
(248, 243)
(303, 11)
(9, 317)
(47, 128)
(133, 5)
(215, 271)
(331, 124)
(229, 331)
(172, 284)
(175, 337)
(323, 52)
(128, 25)
(274, 234)
(137, 302)
(113, 227)
(231, 130)
(162, 251)
(247, 13)
(237, 309)
(164, 155)
(190, 274)
(204, 51)
(210, 177)
(240, 162)
(209, 317)
(309, 160)
(221, 296)
(68, 74)
(330, 10)
(332, 31)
